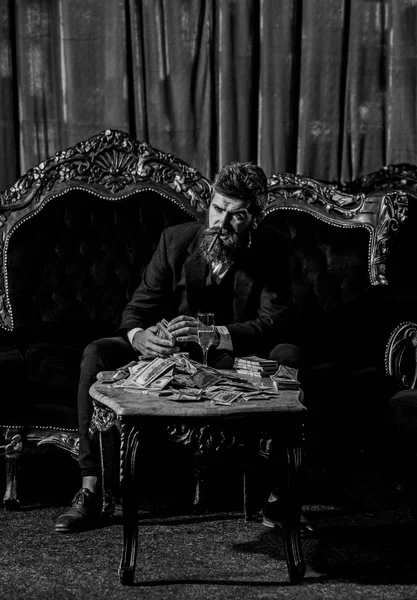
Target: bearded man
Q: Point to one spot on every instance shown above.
(210, 267)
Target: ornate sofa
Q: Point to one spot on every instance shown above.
(77, 230)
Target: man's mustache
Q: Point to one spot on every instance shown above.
(220, 244)
(220, 232)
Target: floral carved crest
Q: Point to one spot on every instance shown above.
(112, 163)
(400, 176)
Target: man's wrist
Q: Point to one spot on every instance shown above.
(225, 341)
(217, 337)
(131, 334)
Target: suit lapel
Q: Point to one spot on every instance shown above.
(243, 287)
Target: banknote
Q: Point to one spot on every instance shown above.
(225, 397)
(187, 395)
(152, 371)
(162, 330)
(206, 377)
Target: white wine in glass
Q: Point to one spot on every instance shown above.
(205, 332)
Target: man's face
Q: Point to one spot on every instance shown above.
(227, 222)
(229, 214)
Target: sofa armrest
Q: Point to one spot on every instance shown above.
(379, 331)
(401, 354)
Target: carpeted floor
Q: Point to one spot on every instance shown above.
(364, 547)
(211, 555)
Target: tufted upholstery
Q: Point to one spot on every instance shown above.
(79, 261)
(71, 268)
(325, 273)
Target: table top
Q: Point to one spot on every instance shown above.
(128, 402)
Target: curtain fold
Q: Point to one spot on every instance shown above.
(9, 142)
(324, 88)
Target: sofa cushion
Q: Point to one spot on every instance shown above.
(74, 264)
(322, 272)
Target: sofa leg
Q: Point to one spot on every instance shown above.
(12, 454)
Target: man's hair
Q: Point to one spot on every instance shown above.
(243, 181)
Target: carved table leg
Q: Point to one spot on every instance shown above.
(250, 495)
(128, 450)
(109, 448)
(289, 475)
(12, 453)
(199, 484)
(254, 489)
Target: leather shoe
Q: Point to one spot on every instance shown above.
(85, 509)
(272, 518)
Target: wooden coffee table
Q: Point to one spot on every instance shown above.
(281, 417)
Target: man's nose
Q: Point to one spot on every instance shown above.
(224, 221)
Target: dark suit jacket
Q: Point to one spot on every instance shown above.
(175, 278)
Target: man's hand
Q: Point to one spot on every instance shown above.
(147, 342)
(184, 328)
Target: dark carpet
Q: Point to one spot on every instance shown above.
(363, 547)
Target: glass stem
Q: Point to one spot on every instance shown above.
(205, 350)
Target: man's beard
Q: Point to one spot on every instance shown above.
(224, 250)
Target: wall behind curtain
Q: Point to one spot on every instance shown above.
(325, 88)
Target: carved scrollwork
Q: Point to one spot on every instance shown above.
(114, 163)
(102, 420)
(15, 446)
(303, 191)
(402, 176)
(203, 439)
(401, 354)
(65, 441)
(394, 208)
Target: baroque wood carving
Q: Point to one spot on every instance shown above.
(102, 420)
(297, 190)
(402, 176)
(401, 354)
(202, 439)
(111, 165)
(63, 440)
(381, 213)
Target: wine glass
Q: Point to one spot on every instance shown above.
(205, 332)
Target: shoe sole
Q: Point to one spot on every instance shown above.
(61, 530)
(271, 524)
(305, 529)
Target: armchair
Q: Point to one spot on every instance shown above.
(76, 232)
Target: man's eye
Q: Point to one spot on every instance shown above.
(238, 216)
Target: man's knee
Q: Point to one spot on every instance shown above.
(286, 354)
(109, 353)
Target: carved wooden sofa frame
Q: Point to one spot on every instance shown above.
(401, 350)
(113, 169)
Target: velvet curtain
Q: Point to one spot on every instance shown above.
(325, 88)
